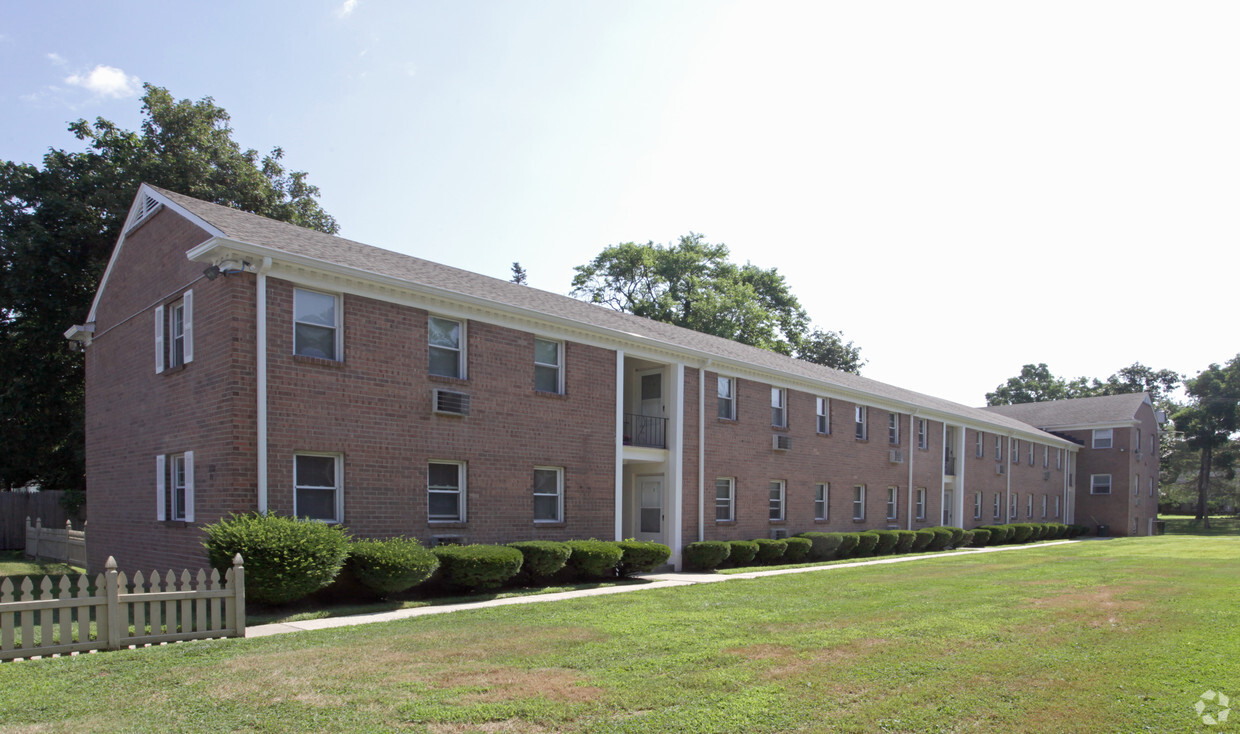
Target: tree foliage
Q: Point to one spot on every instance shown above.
(1208, 422)
(693, 284)
(1036, 383)
(58, 224)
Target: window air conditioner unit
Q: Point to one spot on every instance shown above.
(1000, 469)
(451, 402)
(1046, 475)
(779, 533)
(780, 442)
(895, 456)
(1138, 455)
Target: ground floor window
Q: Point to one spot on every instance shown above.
(445, 491)
(859, 502)
(174, 486)
(317, 487)
(777, 500)
(921, 503)
(821, 493)
(893, 502)
(725, 499)
(977, 505)
(548, 494)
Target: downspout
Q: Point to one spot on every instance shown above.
(618, 508)
(1007, 474)
(701, 534)
(260, 349)
(912, 433)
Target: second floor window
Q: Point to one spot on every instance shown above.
(893, 429)
(316, 326)
(823, 407)
(548, 376)
(446, 352)
(779, 415)
(860, 423)
(923, 441)
(727, 398)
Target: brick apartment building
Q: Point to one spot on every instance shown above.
(235, 363)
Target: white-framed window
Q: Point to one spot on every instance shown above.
(1138, 441)
(1015, 452)
(1059, 459)
(777, 499)
(1046, 456)
(445, 486)
(1151, 484)
(548, 366)
(727, 398)
(980, 448)
(923, 439)
(1043, 507)
(977, 505)
(1099, 483)
(893, 503)
(1136, 488)
(1135, 524)
(548, 494)
(1103, 438)
(1056, 505)
(316, 324)
(859, 420)
(1030, 443)
(1153, 444)
(859, 502)
(446, 347)
(822, 493)
(174, 487)
(920, 503)
(893, 429)
(998, 506)
(318, 491)
(725, 499)
(1013, 511)
(823, 409)
(998, 448)
(174, 333)
(779, 413)
(1029, 506)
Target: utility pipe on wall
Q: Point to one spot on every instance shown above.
(260, 347)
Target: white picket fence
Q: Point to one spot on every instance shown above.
(54, 544)
(74, 616)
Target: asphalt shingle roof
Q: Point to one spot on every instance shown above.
(288, 238)
(1079, 411)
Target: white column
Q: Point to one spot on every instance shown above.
(701, 533)
(260, 347)
(676, 464)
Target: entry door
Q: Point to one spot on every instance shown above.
(650, 508)
(948, 503)
(651, 398)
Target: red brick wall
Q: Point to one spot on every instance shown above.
(133, 414)
(1120, 508)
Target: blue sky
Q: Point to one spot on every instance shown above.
(960, 187)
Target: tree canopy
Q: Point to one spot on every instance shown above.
(58, 224)
(1208, 423)
(693, 284)
(1036, 383)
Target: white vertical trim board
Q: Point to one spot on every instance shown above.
(161, 506)
(619, 453)
(189, 486)
(187, 329)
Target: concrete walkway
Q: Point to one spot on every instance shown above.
(656, 581)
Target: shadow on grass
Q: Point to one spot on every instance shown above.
(332, 605)
(1189, 525)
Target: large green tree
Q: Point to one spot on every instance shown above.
(58, 224)
(1208, 423)
(693, 284)
(1036, 383)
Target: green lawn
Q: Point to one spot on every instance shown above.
(1114, 635)
(13, 563)
(1189, 525)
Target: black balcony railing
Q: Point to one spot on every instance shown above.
(645, 430)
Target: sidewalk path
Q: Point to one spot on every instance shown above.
(657, 581)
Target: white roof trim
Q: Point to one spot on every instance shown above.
(139, 211)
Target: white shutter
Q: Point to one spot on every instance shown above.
(159, 339)
(189, 484)
(187, 329)
(161, 510)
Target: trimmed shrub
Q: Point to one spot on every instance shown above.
(285, 558)
(639, 556)
(967, 540)
(825, 545)
(742, 552)
(887, 540)
(705, 555)
(1078, 530)
(866, 542)
(770, 551)
(848, 544)
(798, 549)
(1020, 532)
(540, 560)
(390, 566)
(998, 533)
(942, 539)
(957, 537)
(592, 559)
(905, 542)
(925, 537)
(477, 566)
(981, 537)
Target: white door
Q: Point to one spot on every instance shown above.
(948, 502)
(650, 508)
(651, 398)
(650, 426)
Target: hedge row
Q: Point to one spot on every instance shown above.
(287, 559)
(711, 554)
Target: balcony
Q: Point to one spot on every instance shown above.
(949, 466)
(646, 431)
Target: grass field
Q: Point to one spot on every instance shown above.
(13, 563)
(1189, 525)
(1113, 635)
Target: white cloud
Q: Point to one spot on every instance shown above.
(56, 59)
(346, 10)
(107, 81)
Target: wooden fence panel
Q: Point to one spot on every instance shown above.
(16, 506)
(43, 623)
(56, 544)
